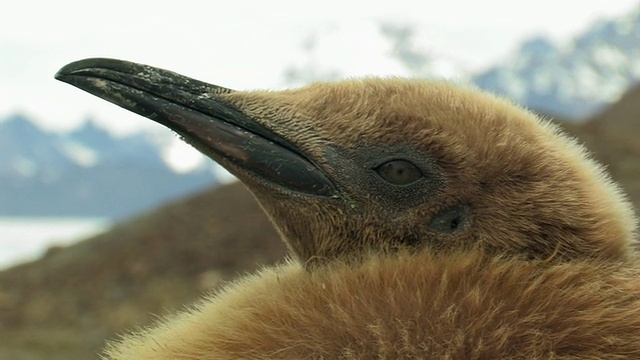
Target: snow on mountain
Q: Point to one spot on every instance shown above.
(576, 79)
(182, 157)
(80, 154)
(28, 150)
(89, 172)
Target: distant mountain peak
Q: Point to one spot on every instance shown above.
(87, 172)
(90, 125)
(18, 123)
(576, 79)
(91, 132)
(537, 44)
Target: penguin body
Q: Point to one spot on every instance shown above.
(424, 220)
(409, 306)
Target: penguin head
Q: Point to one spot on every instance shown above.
(376, 165)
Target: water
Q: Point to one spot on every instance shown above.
(25, 239)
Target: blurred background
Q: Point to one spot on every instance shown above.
(107, 220)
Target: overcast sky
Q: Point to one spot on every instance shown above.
(249, 44)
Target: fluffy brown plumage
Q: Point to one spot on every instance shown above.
(518, 174)
(500, 239)
(424, 305)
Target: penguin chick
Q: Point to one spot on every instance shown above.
(387, 163)
(371, 182)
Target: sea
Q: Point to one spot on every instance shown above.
(24, 239)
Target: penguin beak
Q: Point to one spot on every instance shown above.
(196, 111)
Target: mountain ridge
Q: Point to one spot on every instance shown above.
(88, 172)
(576, 79)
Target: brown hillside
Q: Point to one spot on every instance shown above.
(614, 138)
(65, 305)
(624, 115)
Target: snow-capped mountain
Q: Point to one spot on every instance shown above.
(574, 80)
(89, 172)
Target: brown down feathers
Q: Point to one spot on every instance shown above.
(545, 270)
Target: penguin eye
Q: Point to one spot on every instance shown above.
(399, 172)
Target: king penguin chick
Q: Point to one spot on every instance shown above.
(424, 220)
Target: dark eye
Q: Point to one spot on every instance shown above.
(399, 172)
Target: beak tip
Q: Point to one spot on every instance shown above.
(66, 71)
(78, 66)
(60, 75)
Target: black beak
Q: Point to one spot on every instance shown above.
(195, 110)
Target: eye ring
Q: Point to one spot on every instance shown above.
(399, 172)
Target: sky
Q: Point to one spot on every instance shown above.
(249, 44)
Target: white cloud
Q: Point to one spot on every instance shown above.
(182, 157)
